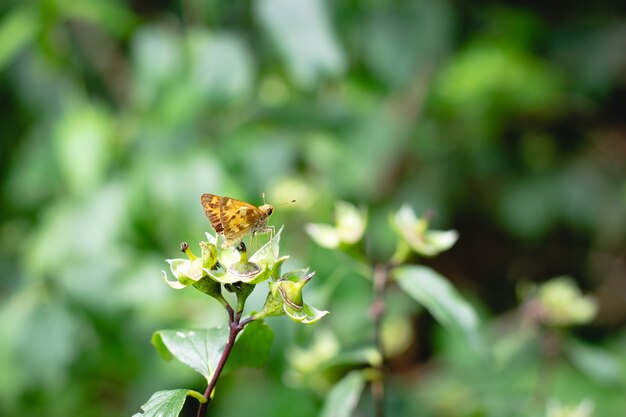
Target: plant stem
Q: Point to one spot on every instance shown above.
(235, 328)
(378, 312)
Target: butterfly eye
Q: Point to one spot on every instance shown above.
(270, 211)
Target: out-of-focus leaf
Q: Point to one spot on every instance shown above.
(77, 234)
(199, 349)
(400, 41)
(17, 29)
(508, 347)
(109, 14)
(442, 300)
(302, 33)
(221, 66)
(164, 404)
(497, 77)
(344, 397)
(49, 323)
(589, 56)
(252, 347)
(83, 145)
(157, 57)
(325, 235)
(595, 362)
(528, 207)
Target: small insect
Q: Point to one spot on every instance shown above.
(233, 219)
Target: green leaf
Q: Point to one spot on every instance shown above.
(164, 404)
(344, 397)
(221, 66)
(595, 362)
(401, 39)
(112, 16)
(83, 137)
(354, 358)
(17, 30)
(442, 300)
(303, 35)
(252, 347)
(199, 349)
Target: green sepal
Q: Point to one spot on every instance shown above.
(416, 233)
(209, 254)
(276, 268)
(306, 315)
(212, 288)
(247, 272)
(273, 307)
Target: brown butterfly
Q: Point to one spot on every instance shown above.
(233, 219)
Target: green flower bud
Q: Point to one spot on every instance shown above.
(273, 307)
(244, 271)
(186, 272)
(212, 288)
(557, 409)
(351, 222)
(285, 297)
(414, 232)
(349, 227)
(562, 303)
(209, 255)
(235, 266)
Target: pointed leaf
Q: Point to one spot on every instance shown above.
(442, 300)
(344, 397)
(595, 362)
(199, 349)
(164, 404)
(303, 36)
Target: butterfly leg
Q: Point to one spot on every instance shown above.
(271, 230)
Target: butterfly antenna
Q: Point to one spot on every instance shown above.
(288, 202)
(263, 195)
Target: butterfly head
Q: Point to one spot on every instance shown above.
(267, 210)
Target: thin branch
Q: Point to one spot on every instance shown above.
(246, 321)
(378, 312)
(235, 328)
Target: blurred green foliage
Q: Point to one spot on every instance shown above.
(505, 120)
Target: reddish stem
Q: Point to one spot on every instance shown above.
(235, 328)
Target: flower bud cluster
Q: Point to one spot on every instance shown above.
(232, 269)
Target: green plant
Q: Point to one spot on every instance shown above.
(244, 341)
(421, 283)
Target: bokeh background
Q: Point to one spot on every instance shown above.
(504, 120)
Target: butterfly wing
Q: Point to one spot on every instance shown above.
(230, 217)
(211, 207)
(238, 218)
